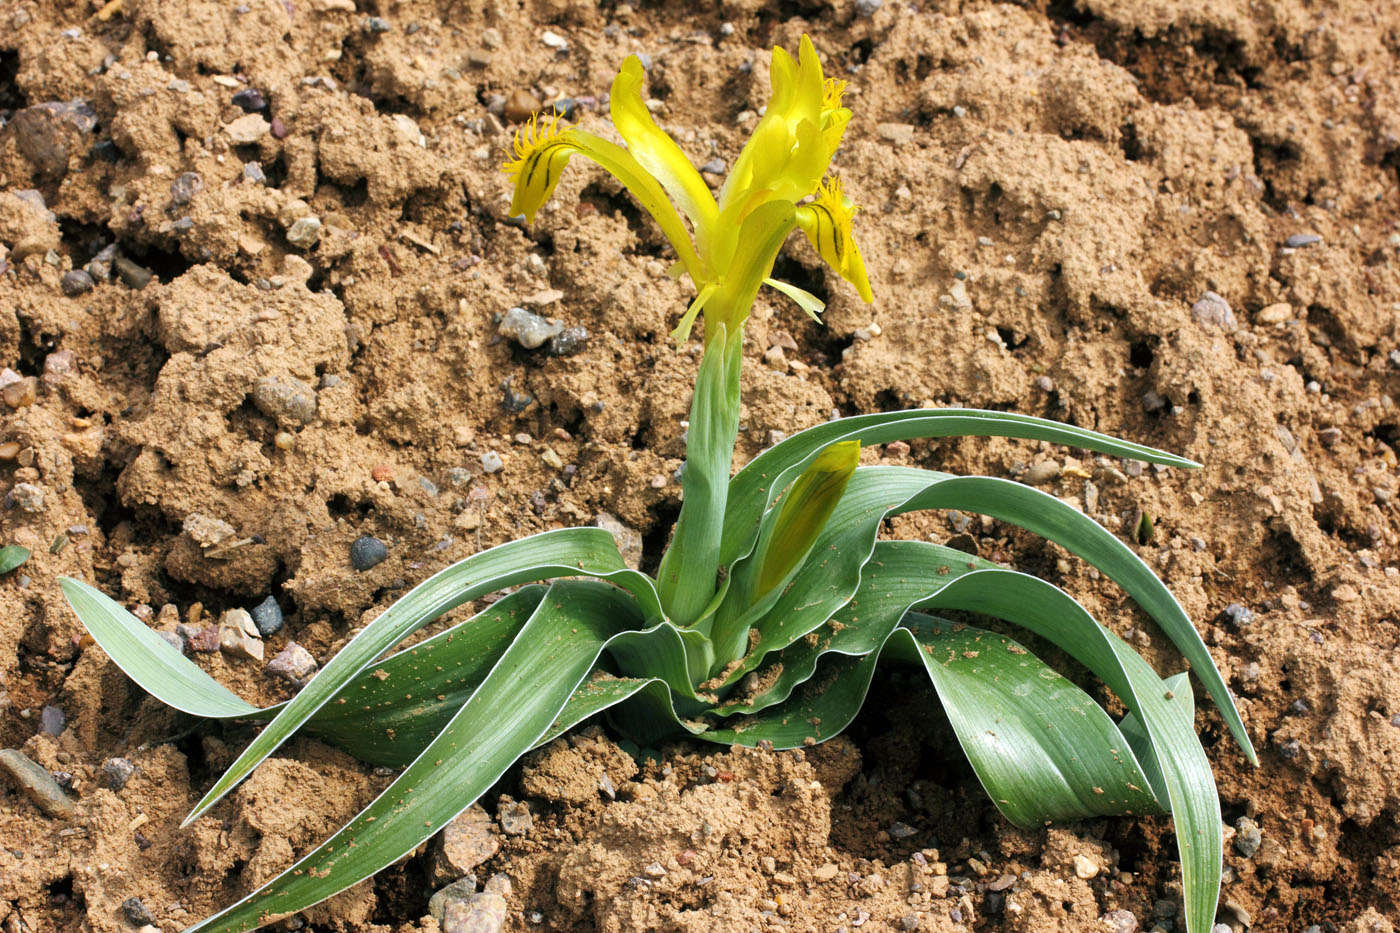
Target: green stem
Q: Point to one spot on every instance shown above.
(688, 578)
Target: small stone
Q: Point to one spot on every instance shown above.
(249, 100)
(1213, 309)
(53, 720)
(465, 843)
(254, 174)
(293, 663)
(377, 24)
(1002, 883)
(20, 392)
(116, 772)
(287, 400)
(900, 134)
(27, 497)
(491, 462)
(75, 282)
(515, 818)
(569, 341)
(866, 9)
(48, 134)
(185, 187)
(713, 167)
(279, 129)
(247, 129)
(1042, 472)
(900, 830)
(1085, 867)
(629, 541)
(1248, 837)
(521, 105)
(1120, 921)
(381, 473)
(554, 41)
(284, 440)
(480, 913)
(910, 922)
(1275, 313)
(527, 328)
(366, 552)
(1300, 240)
(137, 912)
(1152, 401)
(136, 277)
(1238, 615)
(38, 784)
(174, 640)
(238, 635)
(825, 872)
(460, 890)
(304, 232)
(202, 639)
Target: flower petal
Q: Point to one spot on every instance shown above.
(808, 302)
(827, 223)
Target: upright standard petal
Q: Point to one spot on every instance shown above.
(827, 223)
(657, 152)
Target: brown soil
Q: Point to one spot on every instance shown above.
(1049, 189)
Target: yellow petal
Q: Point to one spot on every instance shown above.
(542, 150)
(827, 223)
(805, 300)
(657, 152)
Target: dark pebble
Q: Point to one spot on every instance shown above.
(48, 133)
(250, 100)
(185, 187)
(1238, 615)
(279, 129)
(513, 401)
(568, 341)
(267, 615)
(377, 24)
(116, 772)
(136, 277)
(106, 151)
(1290, 750)
(141, 841)
(566, 107)
(53, 720)
(1299, 240)
(367, 552)
(75, 282)
(137, 912)
(521, 105)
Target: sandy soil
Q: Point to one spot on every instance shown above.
(1177, 221)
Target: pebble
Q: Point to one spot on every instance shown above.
(116, 772)
(527, 328)
(53, 720)
(713, 167)
(293, 663)
(515, 818)
(1275, 313)
(279, 129)
(1120, 921)
(480, 913)
(174, 640)
(137, 912)
(1238, 615)
(27, 497)
(37, 783)
(305, 232)
(238, 635)
(47, 134)
(75, 282)
(100, 266)
(202, 640)
(900, 830)
(249, 100)
(521, 105)
(554, 41)
(1247, 837)
(910, 922)
(1213, 309)
(1002, 883)
(866, 9)
(185, 187)
(247, 129)
(1085, 867)
(254, 174)
(629, 541)
(1042, 472)
(136, 277)
(366, 552)
(285, 399)
(491, 462)
(377, 24)
(569, 341)
(465, 843)
(1300, 240)
(460, 890)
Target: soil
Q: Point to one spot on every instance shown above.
(1093, 211)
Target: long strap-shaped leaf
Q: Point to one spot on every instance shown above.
(569, 551)
(754, 487)
(507, 714)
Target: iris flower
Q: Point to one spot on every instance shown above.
(778, 183)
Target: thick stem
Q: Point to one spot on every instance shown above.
(688, 578)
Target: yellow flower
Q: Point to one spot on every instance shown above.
(730, 243)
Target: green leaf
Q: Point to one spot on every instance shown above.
(690, 566)
(508, 713)
(567, 552)
(11, 556)
(1042, 748)
(753, 489)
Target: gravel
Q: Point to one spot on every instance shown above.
(1248, 838)
(285, 399)
(76, 282)
(267, 616)
(116, 772)
(1214, 309)
(293, 664)
(367, 552)
(527, 328)
(38, 784)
